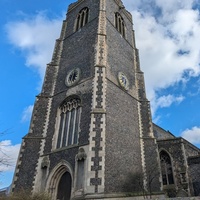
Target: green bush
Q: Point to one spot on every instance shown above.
(26, 196)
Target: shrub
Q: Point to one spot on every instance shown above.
(23, 195)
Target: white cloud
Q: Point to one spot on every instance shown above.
(35, 37)
(169, 7)
(162, 64)
(167, 34)
(192, 135)
(26, 115)
(165, 101)
(8, 155)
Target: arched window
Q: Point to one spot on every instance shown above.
(82, 18)
(70, 112)
(119, 24)
(166, 168)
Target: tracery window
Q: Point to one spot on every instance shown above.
(119, 24)
(82, 18)
(166, 168)
(70, 112)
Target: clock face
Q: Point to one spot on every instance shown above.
(123, 80)
(72, 77)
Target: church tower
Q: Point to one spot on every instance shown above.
(91, 125)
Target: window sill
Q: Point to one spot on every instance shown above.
(65, 148)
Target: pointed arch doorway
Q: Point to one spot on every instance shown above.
(64, 187)
(60, 182)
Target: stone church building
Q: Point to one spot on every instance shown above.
(91, 134)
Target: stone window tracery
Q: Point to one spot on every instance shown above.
(82, 18)
(166, 168)
(119, 24)
(70, 112)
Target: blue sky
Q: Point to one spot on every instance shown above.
(167, 35)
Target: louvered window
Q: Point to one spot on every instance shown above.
(82, 18)
(119, 24)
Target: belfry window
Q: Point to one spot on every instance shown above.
(82, 18)
(166, 168)
(70, 112)
(119, 24)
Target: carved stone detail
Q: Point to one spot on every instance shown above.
(45, 162)
(81, 154)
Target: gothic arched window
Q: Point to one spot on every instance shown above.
(166, 168)
(70, 112)
(119, 24)
(82, 18)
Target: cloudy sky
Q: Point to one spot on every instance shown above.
(167, 35)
